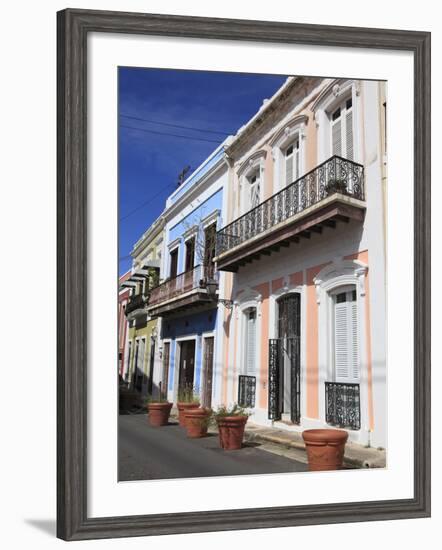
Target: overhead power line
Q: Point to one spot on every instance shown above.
(146, 202)
(166, 134)
(177, 125)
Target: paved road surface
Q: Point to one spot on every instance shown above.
(161, 453)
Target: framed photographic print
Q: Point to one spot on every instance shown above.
(243, 274)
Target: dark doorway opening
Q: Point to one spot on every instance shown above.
(187, 364)
(285, 361)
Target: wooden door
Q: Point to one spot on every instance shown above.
(187, 363)
(151, 366)
(165, 375)
(173, 263)
(207, 372)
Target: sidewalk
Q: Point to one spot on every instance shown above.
(356, 456)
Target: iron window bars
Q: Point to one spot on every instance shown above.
(246, 391)
(343, 405)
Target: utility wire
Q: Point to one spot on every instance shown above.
(177, 125)
(171, 135)
(146, 202)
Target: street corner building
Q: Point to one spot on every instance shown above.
(272, 289)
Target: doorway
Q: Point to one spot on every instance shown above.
(207, 372)
(285, 361)
(165, 374)
(151, 367)
(187, 364)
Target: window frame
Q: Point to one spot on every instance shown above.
(332, 295)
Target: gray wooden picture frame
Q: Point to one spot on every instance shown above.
(73, 28)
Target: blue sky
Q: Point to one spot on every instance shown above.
(149, 161)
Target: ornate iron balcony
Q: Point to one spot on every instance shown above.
(342, 405)
(335, 176)
(200, 278)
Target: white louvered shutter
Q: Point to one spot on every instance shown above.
(254, 191)
(251, 342)
(297, 174)
(337, 137)
(346, 340)
(341, 343)
(349, 153)
(354, 349)
(289, 166)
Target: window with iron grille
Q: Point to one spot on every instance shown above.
(246, 391)
(342, 405)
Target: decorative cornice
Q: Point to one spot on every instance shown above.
(211, 218)
(335, 89)
(288, 129)
(253, 160)
(192, 231)
(173, 244)
(340, 272)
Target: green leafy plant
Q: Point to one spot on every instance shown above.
(233, 410)
(188, 394)
(159, 399)
(336, 185)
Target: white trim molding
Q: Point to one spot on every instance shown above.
(342, 273)
(190, 232)
(254, 163)
(283, 138)
(300, 289)
(326, 102)
(173, 244)
(211, 218)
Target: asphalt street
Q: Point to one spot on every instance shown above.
(166, 453)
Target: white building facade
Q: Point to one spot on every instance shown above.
(303, 255)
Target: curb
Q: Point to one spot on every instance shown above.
(350, 461)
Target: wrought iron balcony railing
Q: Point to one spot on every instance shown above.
(342, 405)
(335, 175)
(198, 277)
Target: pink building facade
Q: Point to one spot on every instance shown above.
(123, 325)
(303, 341)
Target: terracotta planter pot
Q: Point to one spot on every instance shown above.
(231, 431)
(182, 407)
(197, 422)
(325, 448)
(159, 413)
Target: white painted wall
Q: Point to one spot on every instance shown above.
(345, 240)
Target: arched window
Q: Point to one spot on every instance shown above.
(336, 114)
(288, 151)
(251, 179)
(345, 334)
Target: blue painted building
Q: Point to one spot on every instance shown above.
(186, 301)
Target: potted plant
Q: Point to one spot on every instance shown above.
(336, 185)
(325, 448)
(187, 399)
(231, 423)
(197, 421)
(159, 411)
